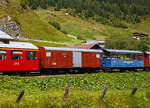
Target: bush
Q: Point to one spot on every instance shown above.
(119, 23)
(55, 24)
(23, 4)
(101, 19)
(65, 32)
(71, 12)
(80, 38)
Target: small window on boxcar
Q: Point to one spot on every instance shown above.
(97, 55)
(16, 55)
(31, 55)
(2, 54)
(48, 54)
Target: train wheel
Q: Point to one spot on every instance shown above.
(146, 69)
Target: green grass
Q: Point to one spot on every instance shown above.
(85, 90)
(82, 28)
(87, 81)
(35, 28)
(88, 29)
(143, 27)
(78, 99)
(44, 43)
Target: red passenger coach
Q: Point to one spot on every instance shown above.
(69, 58)
(18, 56)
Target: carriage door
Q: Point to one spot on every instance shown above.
(77, 59)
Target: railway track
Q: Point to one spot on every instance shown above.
(46, 74)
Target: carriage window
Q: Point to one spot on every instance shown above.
(2, 54)
(97, 55)
(31, 55)
(140, 57)
(16, 55)
(48, 54)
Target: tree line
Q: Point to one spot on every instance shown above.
(113, 12)
(127, 43)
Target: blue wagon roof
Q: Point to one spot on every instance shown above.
(122, 51)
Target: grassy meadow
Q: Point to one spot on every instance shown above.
(85, 90)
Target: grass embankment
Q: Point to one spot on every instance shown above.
(43, 43)
(44, 92)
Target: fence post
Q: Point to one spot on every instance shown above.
(104, 92)
(133, 91)
(66, 92)
(20, 96)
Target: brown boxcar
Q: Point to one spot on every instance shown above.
(51, 58)
(68, 58)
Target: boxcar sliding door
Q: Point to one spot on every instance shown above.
(77, 59)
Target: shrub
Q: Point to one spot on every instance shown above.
(55, 24)
(119, 23)
(23, 4)
(65, 32)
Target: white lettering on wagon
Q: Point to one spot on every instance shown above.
(128, 62)
(16, 63)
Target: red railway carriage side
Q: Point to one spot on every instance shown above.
(54, 57)
(19, 56)
(51, 57)
(90, 60)
(147, 60)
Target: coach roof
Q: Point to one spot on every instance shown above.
(122, 51)
(147, 52)
(72, 49)
(24, 45)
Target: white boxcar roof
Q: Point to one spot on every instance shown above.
(147, 52)
(3, 35)
(72, 49)
(24, 45)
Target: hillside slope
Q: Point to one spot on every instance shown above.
(34, 24)
(31, 24)
(89, 29)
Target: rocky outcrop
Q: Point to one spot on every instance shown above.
(10, 27)
(3, 2)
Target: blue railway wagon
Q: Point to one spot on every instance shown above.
(122, 60)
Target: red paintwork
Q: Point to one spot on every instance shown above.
(89, 60)
(58, 59)
(146, 60)
(64, 59)
(9, 64)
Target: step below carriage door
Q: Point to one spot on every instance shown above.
(77, 59)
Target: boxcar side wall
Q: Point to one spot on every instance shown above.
(90, 60)
(51, 59)
(42, 57)
(59, 59)
(146, 60)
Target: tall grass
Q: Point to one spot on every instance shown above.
(85, 91)
(78, 99)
